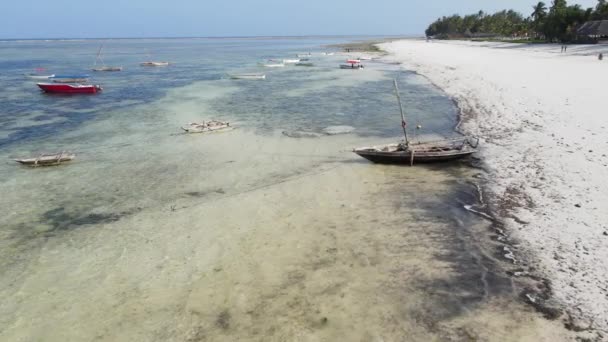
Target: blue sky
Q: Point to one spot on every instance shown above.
(165, 18)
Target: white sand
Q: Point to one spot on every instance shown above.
(543, 118)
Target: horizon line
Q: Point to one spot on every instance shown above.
(218, 37)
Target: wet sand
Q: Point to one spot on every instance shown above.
(316, 251)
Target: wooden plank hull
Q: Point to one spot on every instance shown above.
(405, 157)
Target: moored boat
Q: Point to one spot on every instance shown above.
(308, 64)
(38, 76)
(207, 127)
(103, 66)
(108, 68)
(247, 76)
(420, 153)
(272, 64)
(47, 159)
(69, 78)
(154, 64)
(407, 152)
(62, 88)
(351, 66)
(291, 61)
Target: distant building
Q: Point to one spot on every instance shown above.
(596, 30)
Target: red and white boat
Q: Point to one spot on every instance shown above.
(61, 88)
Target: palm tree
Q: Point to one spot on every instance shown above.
(540, 10)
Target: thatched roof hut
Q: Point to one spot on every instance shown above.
(594, 29)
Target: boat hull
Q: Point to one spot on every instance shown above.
(248, 76)
(404, 157)
(107, 68)
(47, 160)
(39, 77)
(154, 64)
(69, 88)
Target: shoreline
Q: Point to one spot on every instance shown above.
(516, 207)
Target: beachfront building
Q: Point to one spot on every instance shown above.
(596, 31)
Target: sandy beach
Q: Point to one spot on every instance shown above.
(542, 119)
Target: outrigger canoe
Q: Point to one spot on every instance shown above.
(47, 159)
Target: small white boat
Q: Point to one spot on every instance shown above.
(38, 76)
(328, 53)
(207, 127)
(47, 159)
(273, 65)
(291, 61)
(154, 64)
(300, 55)
(248, 76)
(364, 58)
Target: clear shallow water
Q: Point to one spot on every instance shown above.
(248, 235)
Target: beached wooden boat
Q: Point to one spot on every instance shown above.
(429, 152)
(63, 88)
(423, 152)
(154, 64)
(207, 127)
(103, 66)
(47, 159)
(38, 76)
(70, 78)
(248, 76)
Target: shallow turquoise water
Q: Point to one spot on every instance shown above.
(251, 235)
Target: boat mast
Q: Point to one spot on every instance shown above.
(403, 124)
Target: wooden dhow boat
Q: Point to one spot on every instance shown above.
(103, 66)
(47, 159)
(207, 127)
(154, 64)
(63, 88)
(422, 152)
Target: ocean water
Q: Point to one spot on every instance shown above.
(257, 234)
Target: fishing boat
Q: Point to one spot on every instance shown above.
(291, 61)
(38, 76)
(248, 76)
(306, 63)
(273, 64)
(63, 88)
(300, 55)
(422, 152)
(70, 78)
(154, 64)
(47, 159)
(207, 127)
(351, 66)
(103, 66)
